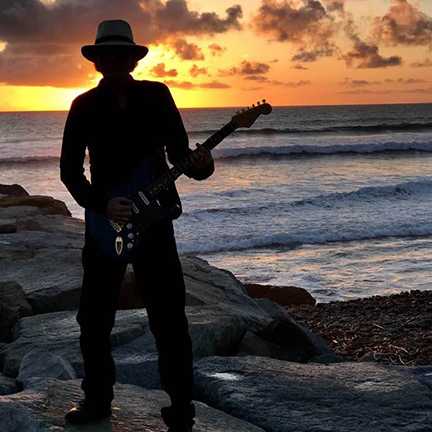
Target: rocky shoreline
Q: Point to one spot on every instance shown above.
(395, 329)
(259, 365)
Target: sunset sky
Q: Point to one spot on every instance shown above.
(225, 53)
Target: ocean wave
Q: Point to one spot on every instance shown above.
(332, 200)
(353, 129)
(321, 150)
(287, 241)
(277, 151)
(370, 194)
(28, 160)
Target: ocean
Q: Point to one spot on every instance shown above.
(334, 199)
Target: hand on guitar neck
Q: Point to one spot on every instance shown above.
(202, 159)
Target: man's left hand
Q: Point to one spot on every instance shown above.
(201, 157)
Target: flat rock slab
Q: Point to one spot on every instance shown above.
(51, 278)
(213, 332)
(135, 409)
(58, 333)
(281, 396)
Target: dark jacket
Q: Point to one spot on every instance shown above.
(118, 139)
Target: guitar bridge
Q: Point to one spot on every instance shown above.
(116, 226)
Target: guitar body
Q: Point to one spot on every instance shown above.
(121, 242)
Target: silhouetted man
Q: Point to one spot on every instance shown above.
(121, 122)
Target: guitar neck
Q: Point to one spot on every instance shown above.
(180, 167)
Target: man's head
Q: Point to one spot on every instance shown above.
(114, 51)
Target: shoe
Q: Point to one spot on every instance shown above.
(85, 412)
(180, 429)
(178, 421)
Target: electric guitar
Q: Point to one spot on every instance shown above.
(144, 188)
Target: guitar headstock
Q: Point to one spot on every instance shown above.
(246, 117)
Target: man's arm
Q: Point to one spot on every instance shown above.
(72, 163)
(177, 144)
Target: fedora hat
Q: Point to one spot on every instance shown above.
(113, 34)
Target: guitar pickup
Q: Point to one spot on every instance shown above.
(135, 208)
(144, 198)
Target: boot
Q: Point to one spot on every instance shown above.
(85, 412)
(179, 420)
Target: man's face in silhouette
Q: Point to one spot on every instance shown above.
(115, 61)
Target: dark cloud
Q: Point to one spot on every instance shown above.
(266, 80)
(365, 55)
(406, 81)
(424, 63)
(362, 91)
(300, 67)
(404, 24)
(246, 68)
(359, 82)
(186, 50)
(160, 71)
(187, 85)
(216, 50)
(251, 88)
(177, 18)
(305, 23)
(259, 78)
(327, 50)
(300, 83)
(196, 71)
(43, 36)
(288, 20)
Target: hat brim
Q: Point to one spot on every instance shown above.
(90, 51)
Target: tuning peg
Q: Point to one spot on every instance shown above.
(258, 103)
(253, 105)
(264, 101)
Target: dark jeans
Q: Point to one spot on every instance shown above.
(159, 274)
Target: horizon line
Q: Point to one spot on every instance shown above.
(241, 106)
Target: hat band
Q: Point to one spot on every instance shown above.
(114, 38)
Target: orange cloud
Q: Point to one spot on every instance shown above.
(160, 71)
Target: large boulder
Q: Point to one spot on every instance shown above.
(46, 204)
(13, 306)
(283, 295)
(12, 190)
(58, 333)
(281, 396)
(42, 408)
(39, 363)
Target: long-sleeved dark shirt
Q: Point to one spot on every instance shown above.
(117, 139)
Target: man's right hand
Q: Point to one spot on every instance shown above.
(119, 209)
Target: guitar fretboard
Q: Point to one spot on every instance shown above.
(180, 167)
